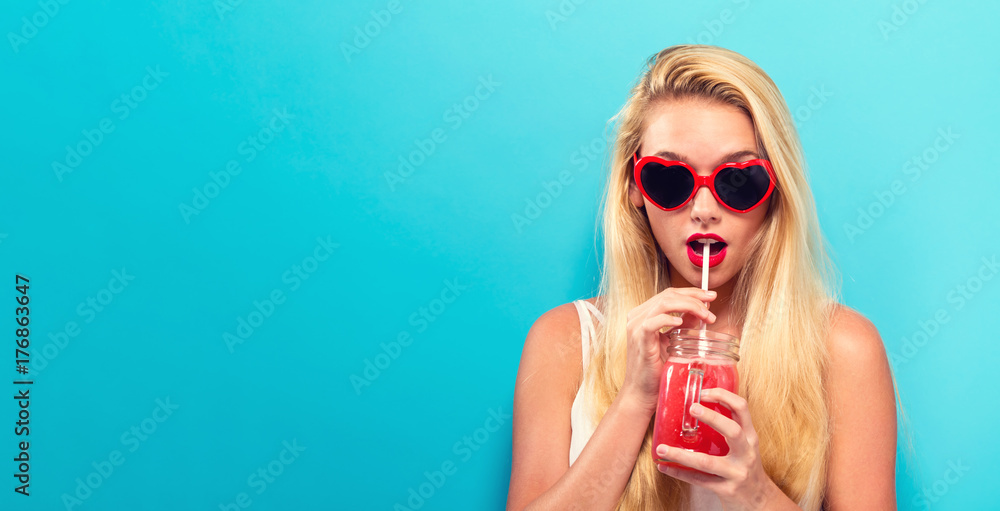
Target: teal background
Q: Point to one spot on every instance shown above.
(400, 243)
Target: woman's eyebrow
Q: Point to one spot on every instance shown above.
(737, 156)
(670, 155)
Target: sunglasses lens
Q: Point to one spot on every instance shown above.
(668, 186)
(742, 188)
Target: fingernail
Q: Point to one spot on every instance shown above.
(712, 316)
(712, 293)
(696, 409)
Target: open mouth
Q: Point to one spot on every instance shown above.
(713, 249)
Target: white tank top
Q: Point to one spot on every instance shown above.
(580, 415)
(581, 424)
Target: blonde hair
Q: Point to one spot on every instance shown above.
(781, 300)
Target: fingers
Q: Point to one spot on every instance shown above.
(649, 324)
(694, 292)
(747, 435)
(690, 477)
(686, 302)
(671, 308)
(669, 295)
(729, 474)
(714, 465)
(724, 425)
(658, 323)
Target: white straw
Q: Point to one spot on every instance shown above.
(704, 277)
(704, 268)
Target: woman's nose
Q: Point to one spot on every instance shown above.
(704, 207)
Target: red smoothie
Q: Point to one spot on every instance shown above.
(670, 410)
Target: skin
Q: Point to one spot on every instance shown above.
(708, 136)
(859, 386)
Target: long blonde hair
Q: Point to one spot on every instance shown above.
(781, 300)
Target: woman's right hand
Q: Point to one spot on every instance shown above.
(646, 345)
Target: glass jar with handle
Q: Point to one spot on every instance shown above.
(696, 360)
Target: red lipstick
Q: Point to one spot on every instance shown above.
(716, 255)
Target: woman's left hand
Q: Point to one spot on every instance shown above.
(739, 478)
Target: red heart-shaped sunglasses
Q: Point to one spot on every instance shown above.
(669, 185)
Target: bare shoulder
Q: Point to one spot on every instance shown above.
(548, 378)
(554, 341)
(857, 355)
(862, 403)
(853, 337)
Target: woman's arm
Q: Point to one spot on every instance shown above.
(547, 381)
(862, 403)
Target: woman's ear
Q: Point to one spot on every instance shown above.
(635, 196)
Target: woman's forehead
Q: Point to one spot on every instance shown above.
(698, 133)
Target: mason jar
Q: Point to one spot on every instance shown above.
(696, 360)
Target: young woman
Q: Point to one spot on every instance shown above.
(814, 421)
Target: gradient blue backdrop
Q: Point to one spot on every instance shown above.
(882, 92)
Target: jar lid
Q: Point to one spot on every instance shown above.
(705, 341)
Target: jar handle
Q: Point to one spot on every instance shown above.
(692, 394)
